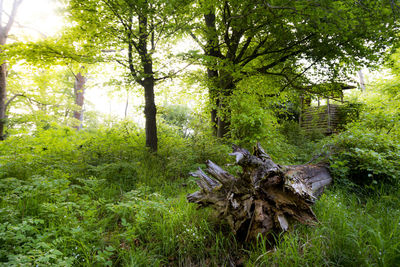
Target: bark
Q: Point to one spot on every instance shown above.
(266, 198)
(226, 86)
(221, 81)
(150, 109)
(212, 49)
(126, 105)
(79, 91)
(3, 96)
(214, 101)
(4, 30)
(150, 112)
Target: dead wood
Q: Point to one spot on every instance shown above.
(265, 198)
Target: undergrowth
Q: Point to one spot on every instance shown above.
(352, 231)
(97, 198)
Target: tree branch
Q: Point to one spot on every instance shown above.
(280, 60)
(227, 23)
(194, 37)
(130, 65)
(11, 20)
(244, 48)
(255, 53)
(31, 28)
(12, 99)
(279, 7)
(123, 22)
(173, 73)
(290, 82)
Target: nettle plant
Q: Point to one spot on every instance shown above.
(365, 157)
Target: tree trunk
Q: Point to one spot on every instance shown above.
(214, 101)
(4, 30)
(150, 110)
(79, 91)
(223, 123)
(3, 81)
(362, 83)
(266, 197)
(212, 50)
(3, 97)
(224, 119)
(126, 105)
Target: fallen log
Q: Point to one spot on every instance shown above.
(266, 197)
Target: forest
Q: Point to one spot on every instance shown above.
(200, 133)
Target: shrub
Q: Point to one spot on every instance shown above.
(365, 157)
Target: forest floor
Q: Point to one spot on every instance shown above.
(97, 198)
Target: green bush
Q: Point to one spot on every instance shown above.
(365, 157)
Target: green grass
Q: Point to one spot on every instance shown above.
(351, 232)
(99, 199)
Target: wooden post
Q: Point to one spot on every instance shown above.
(301, 108)
(329, 114)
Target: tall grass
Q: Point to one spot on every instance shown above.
(352, 231)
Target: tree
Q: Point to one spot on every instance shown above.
(79, 94)
(40, 97)
(5, 27)
(287, 39)
(58, 52)
(131, 31)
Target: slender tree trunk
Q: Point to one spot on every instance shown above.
(79, 91)
(223, 124)
(126, 105)
(3, 97)
(362, 83)
(3, 74)
(150, 109)
(221, 81)
(3, 90)
(150, 112)
(4, 30)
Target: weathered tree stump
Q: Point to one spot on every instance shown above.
(265, 198)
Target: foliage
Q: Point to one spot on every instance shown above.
(260, 113)
(50, 99)
(295, 43)
(256, 35)
(351, 232)
(251, 123)
(303, 144)
(367, 152)
(365, 157)
(97, 197)
(132, 32)
(179, 116)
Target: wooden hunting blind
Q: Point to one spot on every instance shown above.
(328, 118)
